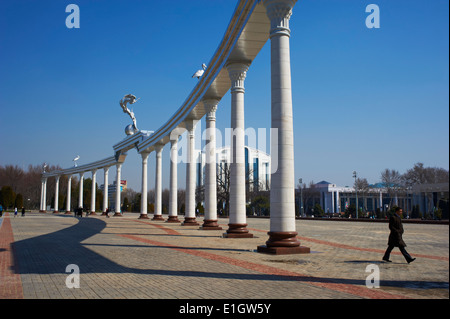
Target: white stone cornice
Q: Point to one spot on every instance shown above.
(83, 168)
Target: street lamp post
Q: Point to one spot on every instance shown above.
(356, 193)
(300, 181)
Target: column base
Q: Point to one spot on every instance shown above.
(173, 219)
(42, 211)
(68, 212)
(103, 214)
(237, 231)
(283, 250)
(116, 214)
(190, 221)
(55, 212)
(143, 216)
(210, 224)
(157, 217)
(92, 213)
(283, 243)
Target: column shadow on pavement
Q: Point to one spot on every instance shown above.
(52, 253)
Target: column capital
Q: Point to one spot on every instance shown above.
(158, 148)
(174, 144)
(279, 13)
(211, 108)
(145, 155)
(237, 71)
(190, 126)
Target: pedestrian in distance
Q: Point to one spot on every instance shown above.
(395, 236)
(15, 212)
(23, 211)
(1, 210)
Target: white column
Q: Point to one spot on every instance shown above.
(80, 196)
(56, 194)
(41, 205)
(338, 203)
(210, 220)
(189, 217)
(173, 200)
(69, 191)
(282, 235)
(144, 203)
(44, 209)
(158, 183)
(332, 202)
(94, 181)
(381, 200)
(105, 190)
(238, 219)
(118, 178)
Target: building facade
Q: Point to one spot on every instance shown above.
(112, 191)
(257, 167)
(428, 200)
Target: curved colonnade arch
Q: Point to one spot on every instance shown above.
(253, 23)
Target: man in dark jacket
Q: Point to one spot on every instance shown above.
(395, 236)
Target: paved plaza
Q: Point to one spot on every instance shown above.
(130, 258)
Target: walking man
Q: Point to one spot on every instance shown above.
(395, 236)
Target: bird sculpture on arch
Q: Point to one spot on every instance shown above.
(200, 72)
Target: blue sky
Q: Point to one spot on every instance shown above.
(364, 99)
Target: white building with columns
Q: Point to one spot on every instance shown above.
(335, 199)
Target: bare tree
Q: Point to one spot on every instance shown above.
(223, 185)
(181, 199)
(392, 181)
(165, 197)
(425, 175)
(310, 195)
(12, 176)
(362, 187)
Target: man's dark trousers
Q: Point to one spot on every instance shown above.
(402, 250)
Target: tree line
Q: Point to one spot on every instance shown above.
(21, 187)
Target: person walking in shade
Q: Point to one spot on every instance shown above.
(395, 236)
